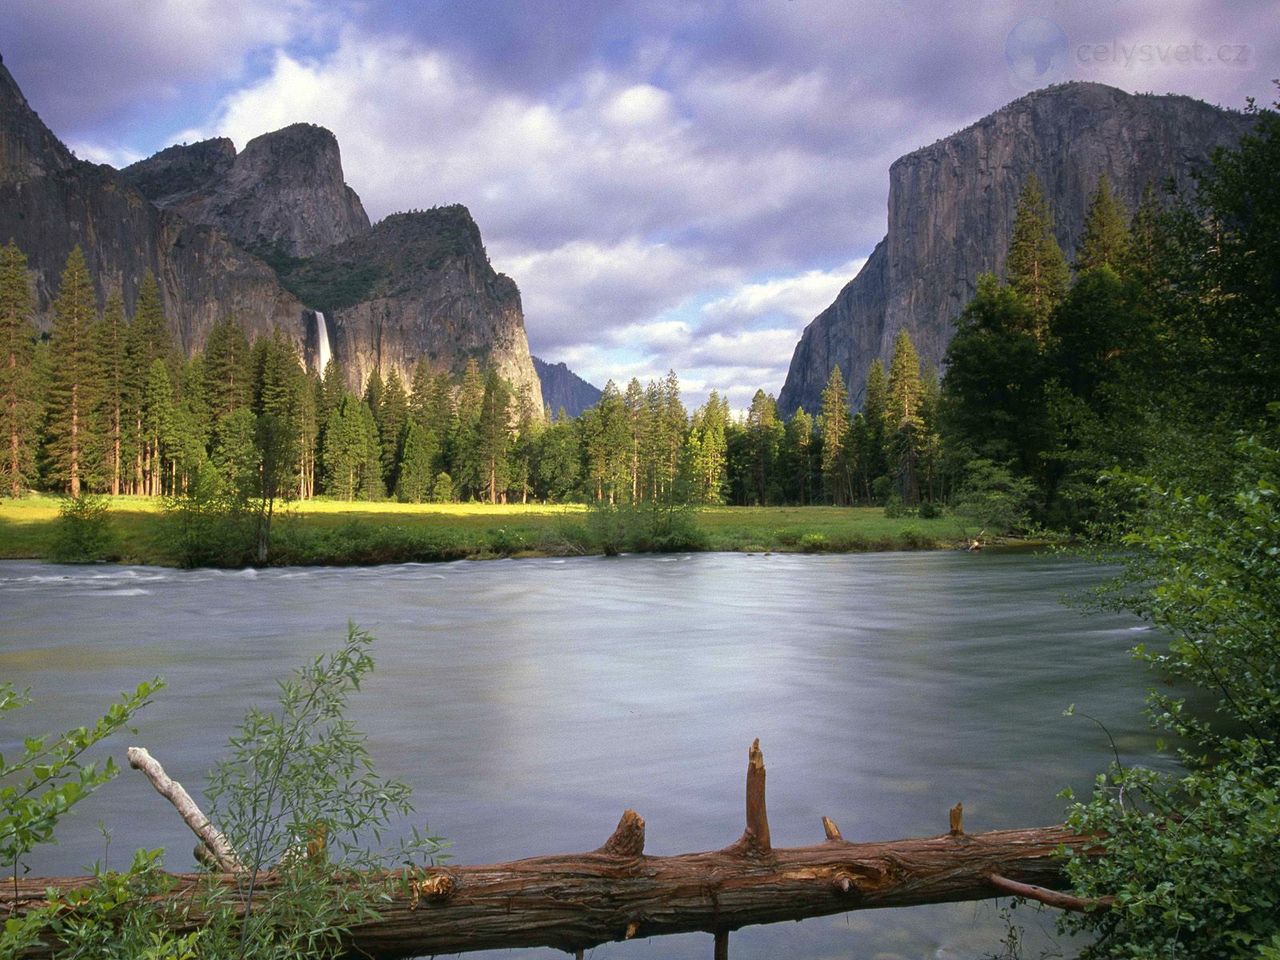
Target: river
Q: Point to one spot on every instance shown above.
(529, 702)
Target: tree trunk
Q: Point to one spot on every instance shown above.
(573, 902)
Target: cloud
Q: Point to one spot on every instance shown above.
(793, 299)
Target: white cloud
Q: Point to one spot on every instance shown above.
(798, 298)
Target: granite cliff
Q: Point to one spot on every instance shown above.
(50, 202)
(562, 389)
(951, 209)
(284, 193)
(271, 236)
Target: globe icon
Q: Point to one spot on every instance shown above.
(1036, 51)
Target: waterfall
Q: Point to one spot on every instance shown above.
(322, 338)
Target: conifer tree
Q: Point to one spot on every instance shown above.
(112, 335)
(1106, 232)
(417, 464)
(1036, 268)
(798, 446)
(871, 456)
(559, 463)
(158, 423)
(391, 426)
(17, 405)
(765, 433)
(709, 449)
(491, 470)
(148, 340)
(834, 422)
(227, 373)
(76, 377)
(640, 428)
(903, 417)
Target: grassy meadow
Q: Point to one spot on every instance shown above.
(339, 532)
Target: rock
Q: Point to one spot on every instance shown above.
(285, 194)
(562, 388)
(50, 202)
(951, 209)
(420, 285)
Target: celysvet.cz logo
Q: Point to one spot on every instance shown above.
(1131, 55)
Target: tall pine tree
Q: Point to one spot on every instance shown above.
(17, 407)
(1036, 268)
(76, 378)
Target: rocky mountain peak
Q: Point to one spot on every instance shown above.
(284, 194)
(951, 208)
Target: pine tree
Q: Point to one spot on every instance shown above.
(18, 410)
(235, 453)
(493, 436)
(558, 463)
(765, 432)
(417, 464)
(351, 454)
(1036, 268)
(872, 459)
(391, 426)
(158, 422)
(148, 340)
(834, 422)
(903, 417)
(709, 448)
(798, 446)
(1106, 232)
(227, 373)
(75, 377)
(111, 335)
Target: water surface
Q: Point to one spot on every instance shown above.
(529, 702)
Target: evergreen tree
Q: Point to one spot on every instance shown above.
(606, 446)
(148, 340)
(798, 449)
(18, 409)
(1106, 232)
(76, 378)
(373, 393)
(112, 335)
(834, 422)
(765, 433)
(227, 371)
(1036, 268)
(993, 394)
(640, 427)
(558, 461)
(417, 464)
(158, 423)
(903, 418)
(352, 457)
(391, 426)
(871, 456)
(235, 453)
(490, 469)
(708, 445)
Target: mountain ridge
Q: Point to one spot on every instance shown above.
(951, 207)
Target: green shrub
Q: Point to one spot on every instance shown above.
(84, 532)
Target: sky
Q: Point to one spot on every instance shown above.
(673, 184)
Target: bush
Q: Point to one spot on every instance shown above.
(207, 526)
(83, 532)
(1191, 858)
(894, 508)
(993, 497)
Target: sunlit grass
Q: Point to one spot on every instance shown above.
(27, 528)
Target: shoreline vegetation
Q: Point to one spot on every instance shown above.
(341, 533)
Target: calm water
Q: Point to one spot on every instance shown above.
(529, 702)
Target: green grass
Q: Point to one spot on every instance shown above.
(338, 532)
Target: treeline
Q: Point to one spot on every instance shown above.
(106, 403)
(1056, 373)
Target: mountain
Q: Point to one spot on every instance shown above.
(50, 202)
(418, 285)
(285, 192)
(272, 236)
(951, 208)
(564, 389)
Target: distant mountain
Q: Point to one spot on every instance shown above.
(951, 209)
(272, 236)
(562, 388)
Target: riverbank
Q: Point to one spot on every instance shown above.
(340, 533)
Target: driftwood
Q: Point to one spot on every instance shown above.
(576, 901)
(212, 842)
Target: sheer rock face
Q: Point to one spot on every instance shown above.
(564, 389)
(50, 202)
(433, 295)
(951, 208)
(284, 193)
(416, 285)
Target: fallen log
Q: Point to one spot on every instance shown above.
(577, 901)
